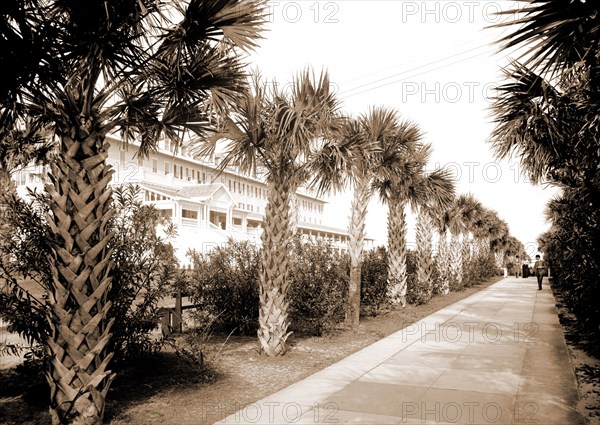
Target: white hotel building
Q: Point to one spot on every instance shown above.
(207, 206)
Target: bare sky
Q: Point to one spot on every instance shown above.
(436, 63)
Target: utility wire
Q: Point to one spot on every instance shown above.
(397, 80)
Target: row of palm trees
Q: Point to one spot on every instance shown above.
(301, 137)
(77, 71)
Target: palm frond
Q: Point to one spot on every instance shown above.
(557, 33)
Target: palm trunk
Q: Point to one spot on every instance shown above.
(80, 213)
(274, 284)
(499, 256)
(443, 264)
(356, 233)
(467, 261)
(294, 213)
(456, 276)
(397, 230)
(424, 240)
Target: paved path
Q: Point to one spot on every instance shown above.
(496, 357)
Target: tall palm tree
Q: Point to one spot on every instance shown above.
(449, 225)
(471, 213)
(369, 131)
(86, 69)
(279, 134)
(437, 193)
(466, 210)
(398, 189)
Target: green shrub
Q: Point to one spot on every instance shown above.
(319, 287)
(224, 284)
(374, 281)
(24, 272)
(415, 293)
(144, 269)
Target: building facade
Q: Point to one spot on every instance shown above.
(207, 205)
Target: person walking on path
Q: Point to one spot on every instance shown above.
(541, 268)
(518, 266)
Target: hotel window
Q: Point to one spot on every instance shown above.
(155, 165)
(189, 214)
(167, 168)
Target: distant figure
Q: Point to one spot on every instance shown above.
(525, 269)
(517, 266)
(541, 268)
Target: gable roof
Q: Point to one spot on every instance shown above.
(199, 190)
(195, 192)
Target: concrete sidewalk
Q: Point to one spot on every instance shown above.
(496, 357)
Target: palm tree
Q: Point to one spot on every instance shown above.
(399, 188)
(369, 131)
(546, 114)
(466, 210)
(280, 135)
(471, 213)
(436, 194)
(86, 69)
(449, 225)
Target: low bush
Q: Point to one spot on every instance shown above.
(319, 287)
(144, 269)
(374, 281)
(416, 293)
(224, 286)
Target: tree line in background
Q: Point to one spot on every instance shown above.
(548, 115)
(151, 70)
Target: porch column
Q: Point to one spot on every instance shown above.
(229, 218)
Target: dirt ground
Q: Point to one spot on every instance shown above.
(585, 355)
(168, 390)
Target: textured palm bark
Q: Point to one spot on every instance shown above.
(80, 213)
(397, 232)
(294, 213)
(443, 264)
(356, 232)
(424, 240)
(456, 262)
(273, 280)
(467, 258)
